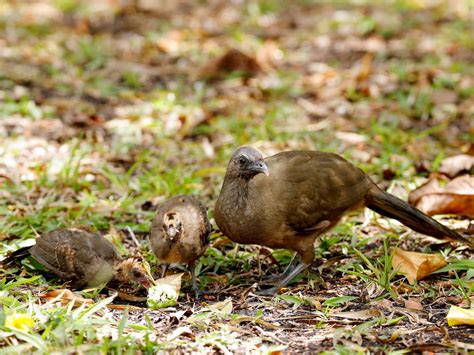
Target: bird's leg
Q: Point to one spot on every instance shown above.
(275, 278)
(198, 293)
(284, 281)
(195, 287)
(164, 268)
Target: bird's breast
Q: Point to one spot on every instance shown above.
(102, 276)
(238, 219)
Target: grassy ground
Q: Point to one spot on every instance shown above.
(106, 110)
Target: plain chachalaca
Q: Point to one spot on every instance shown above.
(180, 233)
(288, 199)
(83, 258)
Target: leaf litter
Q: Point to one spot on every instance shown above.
(328, 69)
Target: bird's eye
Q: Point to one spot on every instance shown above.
(242, 160)
(136, 273)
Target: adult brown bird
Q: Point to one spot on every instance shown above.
(84, 258)
(288, 199)
(180, 233)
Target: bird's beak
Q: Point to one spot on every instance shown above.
(145, 282)
(172, 231)
(260, 167)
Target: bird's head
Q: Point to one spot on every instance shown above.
(132, 269)
(246, 163)
(172, 225)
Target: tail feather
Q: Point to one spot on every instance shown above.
(393, 207)
(16, 256)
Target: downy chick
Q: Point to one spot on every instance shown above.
(83, 258)
(180, 233)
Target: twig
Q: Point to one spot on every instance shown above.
(135, 240)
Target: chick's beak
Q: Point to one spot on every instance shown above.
(145, 282)
(172, 231)
(260, 167)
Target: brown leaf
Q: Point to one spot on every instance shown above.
(413, 304)
(181, 331)
(165, 292)
(269, 55)
(170, 42)
(360, 315)
(351, 137)
(388, 174)
(444, 96)
(457, 197)
(416, 266)
(364, 68)
(65, 296)
(232, 61)
(131, 297)
(191, 121)
(384, 303)
(452, 166)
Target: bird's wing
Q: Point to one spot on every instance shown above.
(196, 221)
(206, 226)
(313, 189)
(73, 254)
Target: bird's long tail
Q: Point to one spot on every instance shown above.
(16, 256)
(391, 206)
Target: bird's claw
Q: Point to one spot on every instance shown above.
(199, 293)
(272, 279)
(272, 291)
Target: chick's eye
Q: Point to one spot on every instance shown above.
(242, 160)
(136, 273)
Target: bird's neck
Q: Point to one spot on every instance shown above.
(235, 211)
(236, 191)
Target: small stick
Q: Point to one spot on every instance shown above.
(135, 240)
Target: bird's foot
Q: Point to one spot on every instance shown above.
(198, 294)
(272, 291)
(271, 279)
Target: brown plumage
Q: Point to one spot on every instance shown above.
(84, 258)
(180, 233)
(304, 194)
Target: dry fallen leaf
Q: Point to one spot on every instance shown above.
(359, 315)
(269, 55)
(181, 331)
(444, 96)
(224, 307)
(452, 166)
(416, 266)
(458, 315)
(65, 296)
(130, 297)
(351, 137)
(413, 304)
(456, 197)
(165, 293)
(232, 61)
(364, 68)
(170, 42)
(190, 121)
(384, 303)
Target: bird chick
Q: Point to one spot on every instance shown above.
(289, 199)
(83, 258)
(132, 269)
(180, 233)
